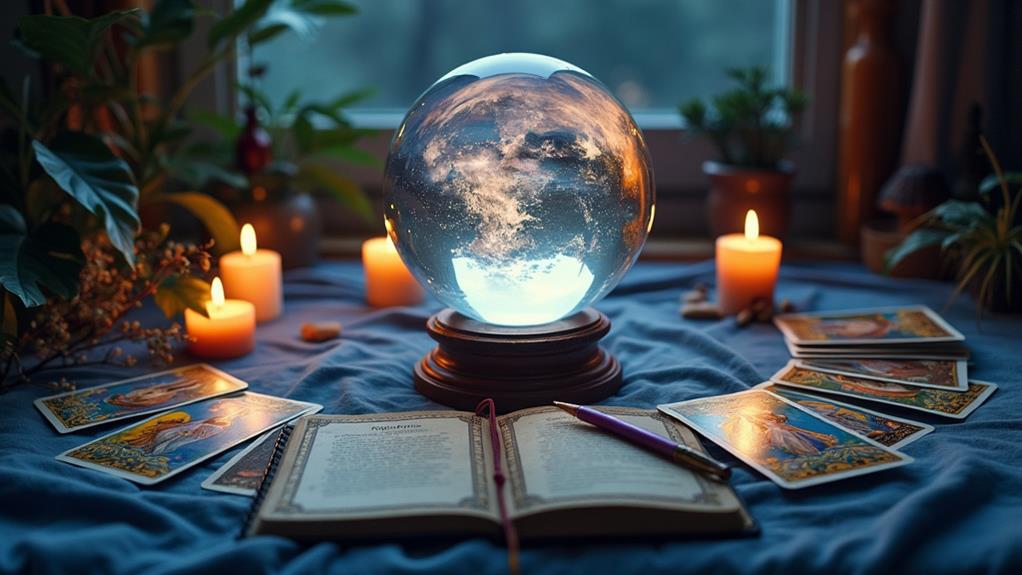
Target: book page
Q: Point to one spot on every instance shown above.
(557, 460)
(387, 464)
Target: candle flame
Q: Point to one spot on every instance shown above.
(248, 240)
(751, 225)
(217, 293)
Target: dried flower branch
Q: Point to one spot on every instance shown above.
(91, 328)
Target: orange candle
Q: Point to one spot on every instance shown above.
(747, 267)
(254, 275)
(228, 332)
(388, 281)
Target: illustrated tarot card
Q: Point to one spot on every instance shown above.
(893, 432)
(791, 445)
(243, 473)
(175, 440)
(83, 408)
(938, 374)
(891, 325)
(953, 404)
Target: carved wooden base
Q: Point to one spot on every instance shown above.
(517, 366)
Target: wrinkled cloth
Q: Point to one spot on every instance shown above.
(956, 509)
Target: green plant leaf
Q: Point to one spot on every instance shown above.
(177, 293)
(354, 155)
(990, 183)
(170, 22)
(225, 126)
(959, 214)
(68, 40)
(237, 21)
(85, 168)
(349, 98)
(218, 220)
(49, 257)
(266, 34)
(326, 7)
(339, 187)
(917, 240)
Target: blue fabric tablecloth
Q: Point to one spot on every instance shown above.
(957, 509)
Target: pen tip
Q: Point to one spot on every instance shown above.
(569, 407)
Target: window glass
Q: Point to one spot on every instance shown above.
(651, 53)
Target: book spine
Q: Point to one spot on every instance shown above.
(264, 484)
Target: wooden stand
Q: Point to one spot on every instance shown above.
(517, 366)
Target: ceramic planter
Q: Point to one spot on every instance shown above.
(735, 189)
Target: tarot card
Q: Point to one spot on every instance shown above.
(791, 445)
(891, 325)
(888, 431)
(938, 374)
(175, 440)
(83, 408)
(244, 472)
(894, 352)
(953, 404)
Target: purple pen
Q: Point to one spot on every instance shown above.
(681, 454)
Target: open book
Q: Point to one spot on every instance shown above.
(431, 473)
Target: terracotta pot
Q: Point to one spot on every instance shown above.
(879, 237)
(289, 225)
(734, 190)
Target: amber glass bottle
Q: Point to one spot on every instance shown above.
(870, 120)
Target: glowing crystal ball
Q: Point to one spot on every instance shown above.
(518, 189)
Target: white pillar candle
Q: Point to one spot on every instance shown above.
(388, 281)
(254, 275)
(228, 332)
(747, 266)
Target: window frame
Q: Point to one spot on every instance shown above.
(812, 62)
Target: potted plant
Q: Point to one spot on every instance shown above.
(77, 165)
(270, 165)
(750, 126)
(983, 239)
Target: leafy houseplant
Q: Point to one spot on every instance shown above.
(75, 167)
(984, 237)
(751, 127)
(265, 174)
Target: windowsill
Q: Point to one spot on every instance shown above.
(682, 250)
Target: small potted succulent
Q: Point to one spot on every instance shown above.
(751, 126)
(982, 239)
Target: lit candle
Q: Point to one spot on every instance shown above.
(254, 275)
(228, 332)
(388, 281)
(747, 267)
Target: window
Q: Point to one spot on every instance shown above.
(651, 53)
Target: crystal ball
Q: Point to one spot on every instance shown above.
(518, 189)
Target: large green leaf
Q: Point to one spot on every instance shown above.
(218, 220)
(170, 22)
(917, 240)
(178, 293)
(85, 168)
(68, 40)
(237, 21)
(49, 257)
(342, 189)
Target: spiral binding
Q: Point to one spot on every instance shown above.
(264, 484)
